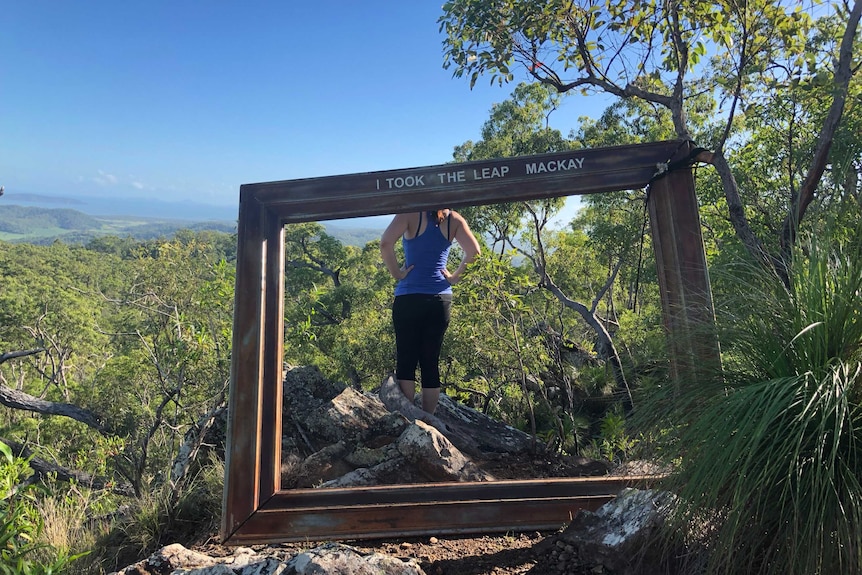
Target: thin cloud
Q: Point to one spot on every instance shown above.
(104, 179)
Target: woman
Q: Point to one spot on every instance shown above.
(423, 294)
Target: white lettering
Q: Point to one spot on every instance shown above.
(405, 182)
(487, 173)
(450, 177)
(555, 166)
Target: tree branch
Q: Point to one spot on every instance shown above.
(23, 353)
(841, 83)
(19, 400)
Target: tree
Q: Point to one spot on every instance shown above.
(519, 126)
(131, 355)
(664, 53)
(334, 297)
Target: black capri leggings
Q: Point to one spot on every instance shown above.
(420, 322)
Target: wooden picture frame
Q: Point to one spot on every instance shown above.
(256, 509)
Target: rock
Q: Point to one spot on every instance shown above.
(394, 400)
(350, 415)
(167, 560)
(490, 435)
(421, 454)
(326, 559)
(306, 389)
(338, 559)
(393, 471)
(337, 436)
(436, 457)
(621, 535)
(470, 431)
(321, 466)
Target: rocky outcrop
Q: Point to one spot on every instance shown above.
(337, 436)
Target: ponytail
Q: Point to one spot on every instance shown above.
(437, 215)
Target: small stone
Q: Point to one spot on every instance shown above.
(406, 545)
(433, 541)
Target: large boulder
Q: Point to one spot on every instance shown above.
(435, 456)
(622, 534)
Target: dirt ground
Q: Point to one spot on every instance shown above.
(533, 553)
(504, 554)
(511, 554)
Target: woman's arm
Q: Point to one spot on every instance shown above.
(469, 245)
(396, 228)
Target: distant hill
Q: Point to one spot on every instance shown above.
(357, 235)
(20, 220)
(137, 207)
(44, 225)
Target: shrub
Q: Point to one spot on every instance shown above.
(769, 466)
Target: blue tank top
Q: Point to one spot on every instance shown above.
(427, 253)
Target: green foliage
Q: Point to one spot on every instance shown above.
(612, 43)
(21, 524)
(614, 442)
(490, 341)
(517, 127)
(161, 516)
(140, 336)
(770, 466)
(337, 300)
(757, 78)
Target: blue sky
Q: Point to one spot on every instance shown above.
(187, 100)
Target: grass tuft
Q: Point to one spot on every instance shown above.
(767, 451)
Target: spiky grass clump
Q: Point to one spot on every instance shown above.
(769, 459)
(188, 514)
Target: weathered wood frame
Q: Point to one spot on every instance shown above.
(256, 510)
